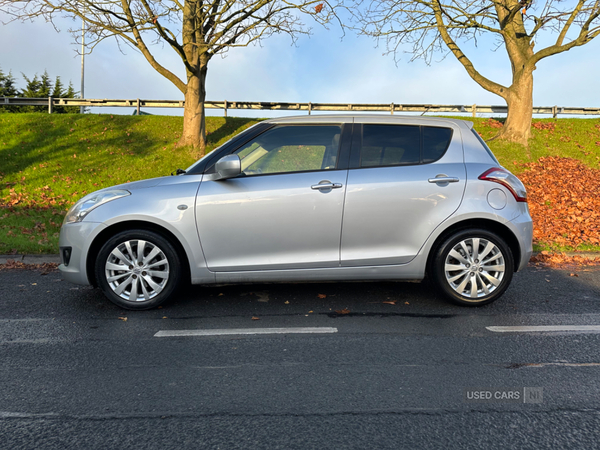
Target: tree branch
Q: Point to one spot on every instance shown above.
(141, 45)
(585, 36)
(484, 82)
(570, 20)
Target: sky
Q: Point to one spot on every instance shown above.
(325, 67)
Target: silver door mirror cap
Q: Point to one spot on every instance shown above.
(228, 167)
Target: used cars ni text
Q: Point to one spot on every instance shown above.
(307, 199)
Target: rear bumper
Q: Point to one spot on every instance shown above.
(523, 228)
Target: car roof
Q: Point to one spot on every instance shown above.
(370, 118)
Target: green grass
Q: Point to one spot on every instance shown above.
(553, 247)
(569, 138)
(47, 162)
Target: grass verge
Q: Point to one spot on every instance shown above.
(50, 161)
(47, 162)
(568, 138)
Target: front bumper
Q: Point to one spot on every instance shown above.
(79, 237)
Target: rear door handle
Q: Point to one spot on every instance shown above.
(443, 179)
(326, 185)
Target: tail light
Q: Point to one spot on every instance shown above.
(508, 180)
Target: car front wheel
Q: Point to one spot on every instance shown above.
(473, 267)
(138, 269)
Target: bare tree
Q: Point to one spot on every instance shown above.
(444, 25)
(196, 30)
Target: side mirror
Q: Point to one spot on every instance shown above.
(228, 167)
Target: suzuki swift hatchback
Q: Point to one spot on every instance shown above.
(307, 199)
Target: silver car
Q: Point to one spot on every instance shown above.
(306, 199)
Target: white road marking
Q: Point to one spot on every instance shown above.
(246, 331)
(561, 364)
(546, 328)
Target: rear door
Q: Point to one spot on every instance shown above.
(285, 210)
(393, 201)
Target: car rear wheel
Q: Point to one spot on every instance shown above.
(138, 269)
(473, 267)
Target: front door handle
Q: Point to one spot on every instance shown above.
(326, 184)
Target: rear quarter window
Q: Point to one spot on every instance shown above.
(435, 143)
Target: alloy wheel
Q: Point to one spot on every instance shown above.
(474, 268)
(137, 270)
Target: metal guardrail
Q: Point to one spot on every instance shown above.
(226, 105)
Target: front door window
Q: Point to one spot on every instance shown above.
(286, 149)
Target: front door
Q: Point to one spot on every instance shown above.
(284, 211)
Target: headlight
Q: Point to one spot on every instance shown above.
(82, 208)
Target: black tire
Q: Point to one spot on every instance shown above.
(467, 280)
(138, 283)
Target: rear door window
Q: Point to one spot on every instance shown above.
(390, 145)
(397, 145)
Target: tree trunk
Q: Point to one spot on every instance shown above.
(194, 127)
(519, 100)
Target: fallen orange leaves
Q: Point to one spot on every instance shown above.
(12, 264)
(564, 201)
(550, 126)
(493, 123)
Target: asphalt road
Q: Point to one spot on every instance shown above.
(76, 374)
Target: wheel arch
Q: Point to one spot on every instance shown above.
(490, 225)
(110, 231)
